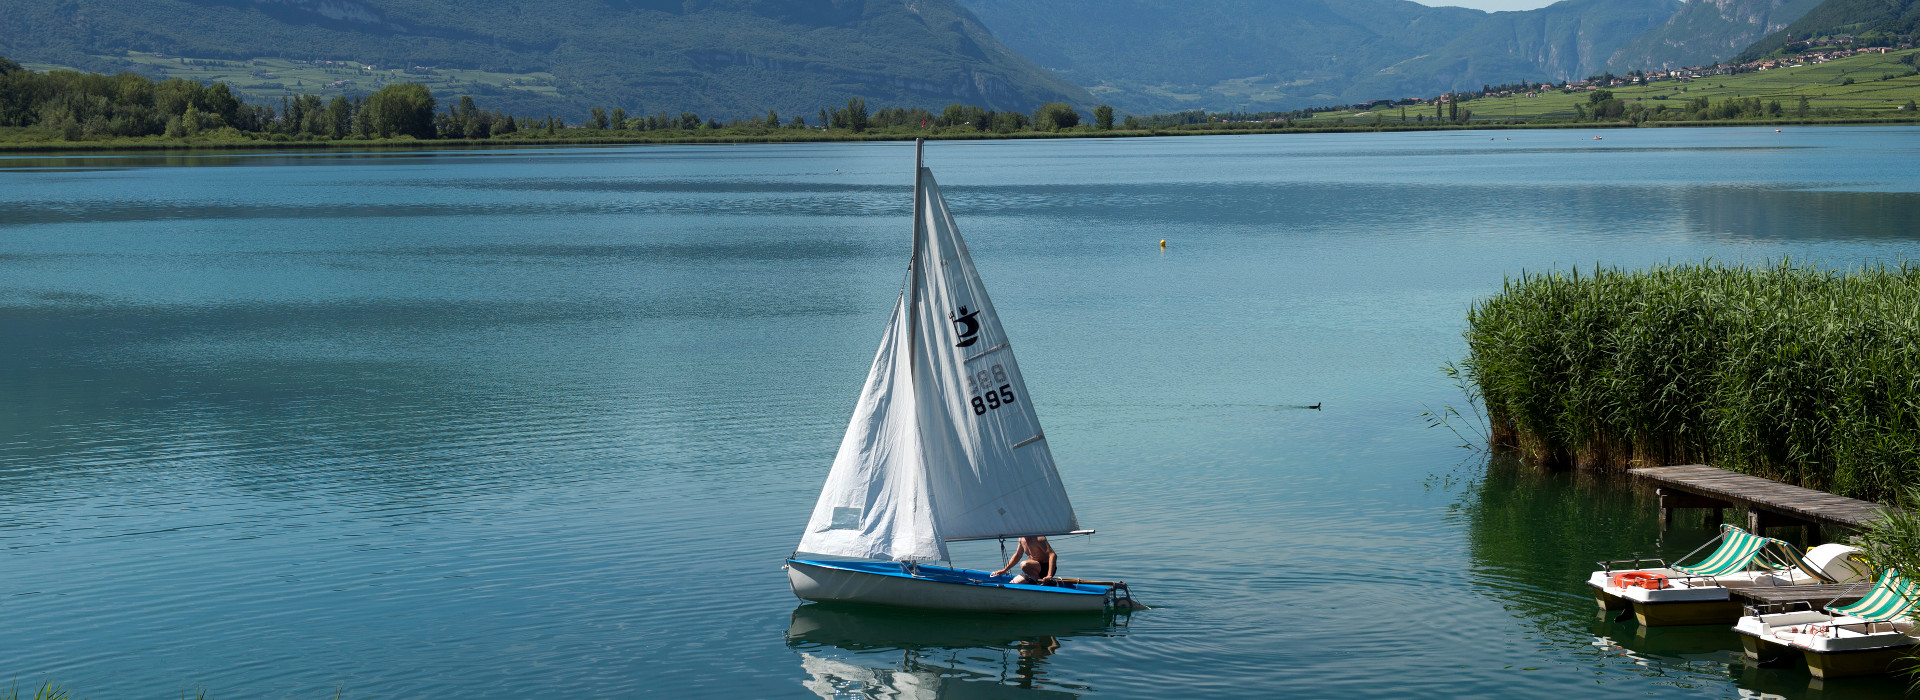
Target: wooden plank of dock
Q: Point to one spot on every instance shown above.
(1765, 495)
(1815, 595)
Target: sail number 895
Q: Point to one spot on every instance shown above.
(991, 398)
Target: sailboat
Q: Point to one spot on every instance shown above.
(944, 446)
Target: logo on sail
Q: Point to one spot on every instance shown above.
(966, 326)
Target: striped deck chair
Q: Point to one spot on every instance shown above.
(1892, 598)
(1787, 556)
(1736, 553)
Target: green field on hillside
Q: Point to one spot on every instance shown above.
(1882, 86)
(267, 79)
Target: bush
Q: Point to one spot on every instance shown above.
(401, 109)
(1054, 116)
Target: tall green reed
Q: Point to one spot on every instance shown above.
(46, 691)
(1788, 371)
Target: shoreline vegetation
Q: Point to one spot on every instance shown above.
(1790, 372)
(615, 139)
(64, 110)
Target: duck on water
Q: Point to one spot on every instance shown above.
(944, 446)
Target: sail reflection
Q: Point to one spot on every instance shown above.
(855, 652)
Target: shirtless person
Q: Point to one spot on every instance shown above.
(1041, 561)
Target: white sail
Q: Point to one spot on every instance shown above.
(875, 504)
(988, 465)
(944, 443)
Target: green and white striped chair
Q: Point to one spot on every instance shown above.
(1892, 598)
(1737, 551)
(1787, 556)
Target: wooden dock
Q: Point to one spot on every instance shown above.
(1816, 596)
(1768, 503)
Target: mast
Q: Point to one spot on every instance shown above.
(913, 282)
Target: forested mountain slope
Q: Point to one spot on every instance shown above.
(1571, 39)
(1844, 18)
(1165, 55)
(724, 58)
(1707, 31)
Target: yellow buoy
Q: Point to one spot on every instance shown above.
(1163, 244)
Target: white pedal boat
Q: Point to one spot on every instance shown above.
(1686, 600)
(1874, 635)
(1701, 594)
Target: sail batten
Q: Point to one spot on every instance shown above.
(944, 444)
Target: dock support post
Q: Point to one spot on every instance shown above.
(1759, 520)
(1671, 500)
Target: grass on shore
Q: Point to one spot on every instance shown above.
(1789, 372)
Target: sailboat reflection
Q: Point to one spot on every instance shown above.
(850, 652)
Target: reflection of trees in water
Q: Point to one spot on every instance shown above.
(1774, 214)
(1534, 536)
(880, 653)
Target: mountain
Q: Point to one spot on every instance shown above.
(1166, 55)
(721, 58)
(1570, 39)
(1706, 32)
(1843, 18)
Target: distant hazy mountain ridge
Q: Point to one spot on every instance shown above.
(724, 58)
(1568, 40)
(1707, 31)
(1167, 55)
(742, 58)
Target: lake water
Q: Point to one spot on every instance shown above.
(545, 422)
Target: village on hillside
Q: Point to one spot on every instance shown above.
(1799, 54)
(1806, 53)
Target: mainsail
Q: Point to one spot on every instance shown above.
(944, 444)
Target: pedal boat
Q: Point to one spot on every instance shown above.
(1701, 594)
(1874, 635)
(910, 585)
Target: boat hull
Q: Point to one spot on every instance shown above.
(1764, 651)
(1859, 662)
(1607, 599)
(939, 588)
(1715, 612)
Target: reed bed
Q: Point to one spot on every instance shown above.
(1788, 371)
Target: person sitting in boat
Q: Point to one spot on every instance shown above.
(1036, 552)
(1032, 573)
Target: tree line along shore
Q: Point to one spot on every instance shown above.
(70, 110)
